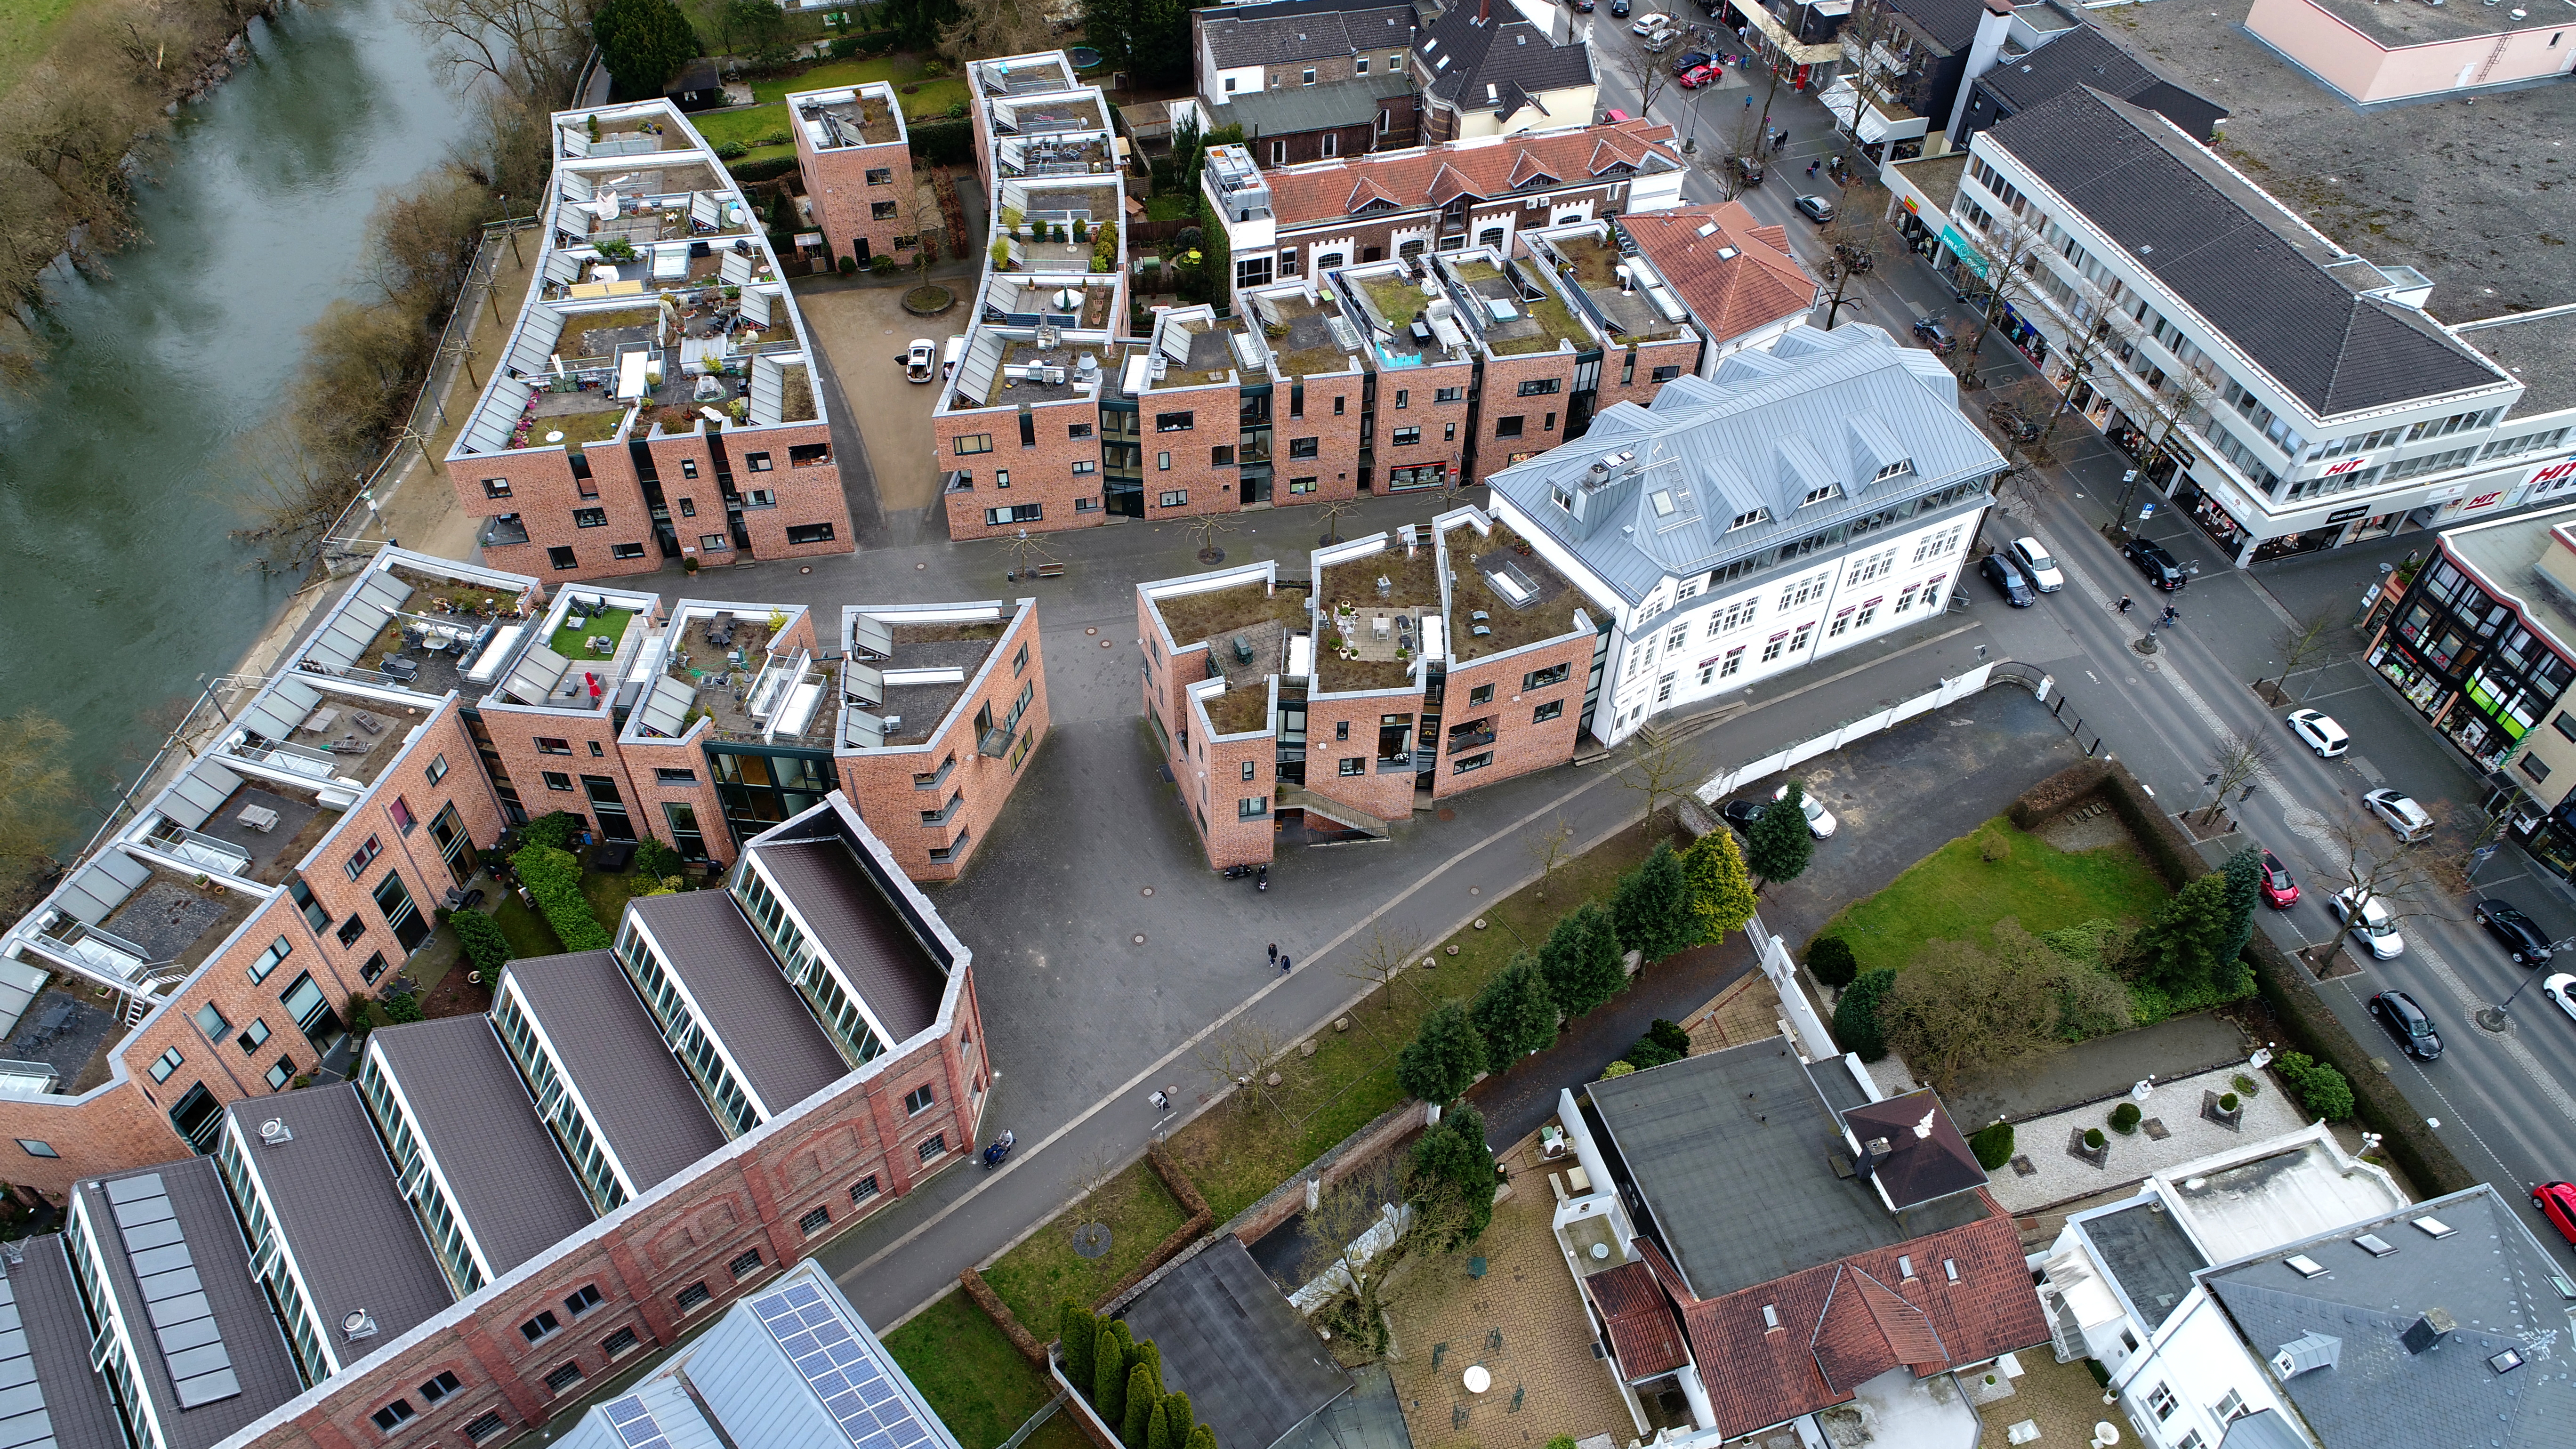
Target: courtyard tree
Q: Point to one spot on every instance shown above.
(1721, 890)
(1580, 959)
(2183, 954)
(1549, 849)
(643, 43)
(1079, 1328)
(1659, 769)
(1515, 1013)
(1856, 1015)
(1451, 1174)
(1778, 846)
(1444, 1057)
(1389, 951)
(1651, 906)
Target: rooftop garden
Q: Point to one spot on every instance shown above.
(572, 641)
(762, 126)
(1243, 708)
(1193, 618)
(1395, 299)
(1554, 321)
(1550, 615)
(796, 403)
(581, 327)
(1348, 591)
(569, 429)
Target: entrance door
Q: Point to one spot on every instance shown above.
(313, 1015)
(394, 899)
(667, 539)
(453, 845)
(609, 806)
(1256, 486)
(860, 250)
(197, 1116)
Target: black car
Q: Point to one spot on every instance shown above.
(2522, 940)
(1747, 170)
(1742, 813)
(2156, 564)
(1690, 59)
(2008, 581)
(1619, 7)
(2407, 1022)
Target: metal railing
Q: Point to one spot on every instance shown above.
(199, 849)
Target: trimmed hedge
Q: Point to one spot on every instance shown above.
(941, 143)
(554, 878)
(485, 946)
(769, 168)
(1993, 1145)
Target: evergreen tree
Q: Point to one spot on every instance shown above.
(2180, 949)
(1778, 846)
(1856, 1015)
(1150, 1357)
(644, 43)
(1080, 1331)
(1178, 1417)
(1514, 1013)
(1652, 907)
(1581, 959)
(1159, 48)
(1143, 1398)
(1202, 1437)
(1451, 1164)
(1830, 957)
(1158, 1428)
(1720, 889)
(1109, 1374)
(1108, 27)
(1444, 1056)
(2244, 872)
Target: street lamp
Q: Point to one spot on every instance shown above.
(2499, 1017)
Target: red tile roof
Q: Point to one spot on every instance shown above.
(1729, 295)
(1323, 191)
(1846, 1322)
(1644, 1335)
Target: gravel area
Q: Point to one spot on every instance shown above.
(2058, 1176)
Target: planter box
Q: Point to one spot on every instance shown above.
(2232, 1121)
(2090, 1156)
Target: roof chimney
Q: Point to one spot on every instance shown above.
(2428, 1331)
(1484, 11)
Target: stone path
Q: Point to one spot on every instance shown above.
(2056, 1176)
(2061, 1399)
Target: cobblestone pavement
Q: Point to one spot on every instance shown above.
(1523, 1321)
(2061, 1398)
(2057, 1176)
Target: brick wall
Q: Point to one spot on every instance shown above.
(545, 494)
(845, 200)
(1063, 434)
(808, 493)
(1388, 795)
(645, 759)
(1628, 374)
(1522, 743)
(1303, 408)
(1410, 398)
(1542, 417)
(1211, 783)
(515, 731)
(881, 784)
(1216, 414)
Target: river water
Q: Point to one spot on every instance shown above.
(122, 475)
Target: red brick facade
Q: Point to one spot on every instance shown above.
(885, 785)
(1055, 472)
(1522, 741)
(863, 196)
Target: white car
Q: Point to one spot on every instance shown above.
(2399, 814)
(2561, 988)
(920, 361)
(2033, 557)
(2371, 922)
(2319, 732)
(1820, 821)
(1649, 24)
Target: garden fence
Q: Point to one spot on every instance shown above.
(1949, 691)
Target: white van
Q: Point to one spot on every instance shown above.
(950, 356)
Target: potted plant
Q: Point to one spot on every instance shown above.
(2124, 1118)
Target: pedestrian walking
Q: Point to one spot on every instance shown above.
(1284, 964)
(1162, 1103)
(2127, 603)
(1811, 168)
(2170, 615)
(1748, 103)
(1274, 953)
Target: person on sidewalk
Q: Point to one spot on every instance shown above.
(2171, 613)
(1274, 953)
(2127, 603)
(1811, 168)
(1284, 964)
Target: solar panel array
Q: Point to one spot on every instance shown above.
(634, 1424)
(192, 1344)
(840, 1368)
(23, 1421)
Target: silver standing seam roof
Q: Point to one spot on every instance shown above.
(638, 1096)
(749, 1005)
(473, 1114)
(66, 1405)
(1818, 407)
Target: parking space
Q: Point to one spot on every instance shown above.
(863, 331)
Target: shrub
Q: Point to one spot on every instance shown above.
(729, 150)
(1670, 1036)
(2227, 1101)
(1992, 848)
(2245, 1086)
(775, 138)
(767, 168)
(656, 859)
(484, 944)
(360, 1023)
(553, 877)
(2320, 1087)
(2124, 1118)
(932, 70)
(1993, 1145)
(882, 265)
(2093, 1138)
(849, 266)
(554, 830)
(1617, 1069)
(1648, 1052)
(1856, 1023)
(1830, 957)
(1001, 253)
(1444, 1056)
(1450, 1165)
(1079, 1330)
(402, 1009)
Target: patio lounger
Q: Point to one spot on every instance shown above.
(367, 722)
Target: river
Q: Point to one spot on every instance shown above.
(122, 475)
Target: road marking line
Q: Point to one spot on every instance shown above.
(2512, 1046)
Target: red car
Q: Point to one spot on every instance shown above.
(1700, 75)
(2279, 891)
(2557, 1202)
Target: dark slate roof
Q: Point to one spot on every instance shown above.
(2490, 1275)
(1297, 30)
(759, 1017)
(1250, 1365)
(353, 1238)
(638, 1095)
(251, 1338)
(2149, 1256)
(2235, 257)
(1926, 1158)
(1950, 23)
(508, 1177)
(837, 896)
(1465, 55)
(2084, 56)
(1731, 1153)
(1291, 109)
(48, 1311)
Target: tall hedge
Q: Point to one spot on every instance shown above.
(1856, 1023)
(553, 877)
(484, 944)
(940, 143)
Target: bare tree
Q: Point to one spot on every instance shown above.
(2363, 856)
(2302, 641)
(1204, 531)
(1390, 950)
(1854, 237)
(2021, 489)
(995, 27)
(1642, 68)
(1095, 1169)
(1870, 36)
(2236, 758)
(1659, 769)
(1238, 1055)
(2168, 404)
(2461, 831)
(2011, 250)
(2096, 328)
(1333, 511)
(1742, 144)
(532, 48)
(1550, 849)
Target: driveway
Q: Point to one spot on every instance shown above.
(863, 329)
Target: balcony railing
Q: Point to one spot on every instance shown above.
(216, 857)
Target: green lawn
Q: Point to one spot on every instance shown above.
(960, 1361)
(608, 894)
(1040, 1273)
(1954, 894)
(930, 99)
(26, 26)
(572, 641)
(528, 933)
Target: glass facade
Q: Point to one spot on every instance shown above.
(761, 788)
(2467, 662)
(583, 1151)
(413, 1178)
(268, 1263)
(812, 973)
(724, 1094)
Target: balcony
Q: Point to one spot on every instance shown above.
(506, 529)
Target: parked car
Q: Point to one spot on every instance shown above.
(1646, 24)
(1690, 60)
(2008, 581)
(1820, 821)
(2561, 988)
(2521, 937)
(920, 361)
(1816, 209)
(2368, 917)
(1659, 42)
(1701, 75)
(2280, 891)
(2156, 564)
(2407, 1022)
(1613, 117)
(1581, 7)
(2319, 732)
(1742, 813)
(2398, 813)
(2557, 1202)
(2032, 556)
(1619, 7)
(1747, 170)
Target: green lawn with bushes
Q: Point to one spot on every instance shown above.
(980, 1385)
(1044, 1270)
(755, 126)
(1956, 894)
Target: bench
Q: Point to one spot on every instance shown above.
(1050, 571)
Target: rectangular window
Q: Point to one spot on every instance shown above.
(2532, 766)
(1404, 397)
(1472, 763)
(439, 1388)
(1406, 437)
(864, 1188)
(933, 1147)
(715, 543)
(1542, 387)
(1354, 765)
(760, 498)
(2160, 1402)
(556, 779)
(1509, 427)
(919, 1100)
(352, 929)
(881, 176)
(582, 1300)
(1018, 513)
(393, 1416)
(168, 1062)
(252, 1036)
(1162, 462)
(1304, 447)
(1249, 769)
(744, 1264)
(756, 462)
(496, 487)
(1666, 374)
(1174, 497)
(1337, 407)
(210, 1020)
(563, 1378)
(485, 1427)
(973, 443)
(364, 856)
(374, 968)
(881, 211)
(553, 745)
(536, 1329)
(675, 777)
(688, 506)
(34, 1148)
(1542, 678)
(400, 810)
(279, 1074)
(1175, 422)
(618, 1344)
(804, 533)
(1221, 456)
(1252, 807)
(1481, 694)
(1077, 430)
(626, 550)
(815, 1221)
(1547, 711)
(693, 1297)
(590, 518)
(277, 951)
(561, 558)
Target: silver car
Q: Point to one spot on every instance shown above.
(2037, 566)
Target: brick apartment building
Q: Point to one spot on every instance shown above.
(656, 399)
(499, 1209)
(1418, 666)
(299, 858)
(855, 159)
(1308, 80)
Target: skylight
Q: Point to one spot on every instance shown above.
(1662, 498)
(2305, 1266)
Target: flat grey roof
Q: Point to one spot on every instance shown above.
(840, 898)
(2539, 349)
(642, 1101)
(77, 1409)
(1252, 1368)
(509, 1179)
(760, 1018)
(2149, 1254)
(1731, 1152)
(2508, 553)
(239, 1307)
(354, 1238)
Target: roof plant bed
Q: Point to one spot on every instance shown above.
(1395, 298)
(1240, 710)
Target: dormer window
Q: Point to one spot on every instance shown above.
(1831, 490)
(1747, 520)
(1897, 469)
(1561, 497)
(1662, 498)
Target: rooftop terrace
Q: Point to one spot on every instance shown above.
(1246, 629)
(725, 663)
(1380, 612)
(1022, 75)
(1502, 595)
(862, 116)
(908, 676)
(1393, 312)
(1512, 308)
(1300, 331)
(1622, 303)
(1193, 348)
(1068, 300)
(1010, 366)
